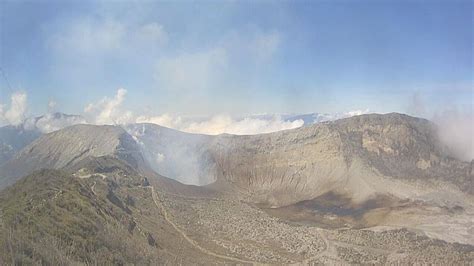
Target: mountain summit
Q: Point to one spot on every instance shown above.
(312, 188)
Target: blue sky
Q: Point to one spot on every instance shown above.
(238, 57)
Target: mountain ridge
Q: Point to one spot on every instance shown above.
(62, 148)
(370, 189)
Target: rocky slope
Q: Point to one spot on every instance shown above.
(102, 211)
(390, 170)
(15, 138)
(359, 157)
(65, 147)
(379, 170)
(102, 214)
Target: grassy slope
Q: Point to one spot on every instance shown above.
(52, 217)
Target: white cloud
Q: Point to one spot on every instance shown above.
(165, 120)
(223, 124)
(191, 70)
(16, 114)
(247, 126)
(108, 110)
(111, 111)
(354, 113)
(55, 121)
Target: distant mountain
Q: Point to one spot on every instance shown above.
(393, 145)
(13, 139)
(53, 121)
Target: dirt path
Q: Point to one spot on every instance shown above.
(92, 188)
(329, 252)
(159, 204)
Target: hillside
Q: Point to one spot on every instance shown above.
(371, 172)
(104, 212)
(383, 167)
(66, 147)
(360, 157)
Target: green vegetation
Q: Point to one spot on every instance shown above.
(52, 217)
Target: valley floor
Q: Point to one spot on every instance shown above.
(245, 233)
(56, 218)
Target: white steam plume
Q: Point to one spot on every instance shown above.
(456, 130)
(455, 127)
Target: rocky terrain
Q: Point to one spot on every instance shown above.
(102, 214)
(107, 213)
(358, 157)
(66, 147)
(13, 138)
(372, 189)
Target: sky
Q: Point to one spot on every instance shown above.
(194, 58)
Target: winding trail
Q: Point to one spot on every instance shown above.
(159, 204)
(92, 188)
(329, 252)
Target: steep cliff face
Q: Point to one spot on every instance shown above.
(371, 170)
(66, 147)
(406, 148)
(397, 145)
(284, 166)
(359, 157)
